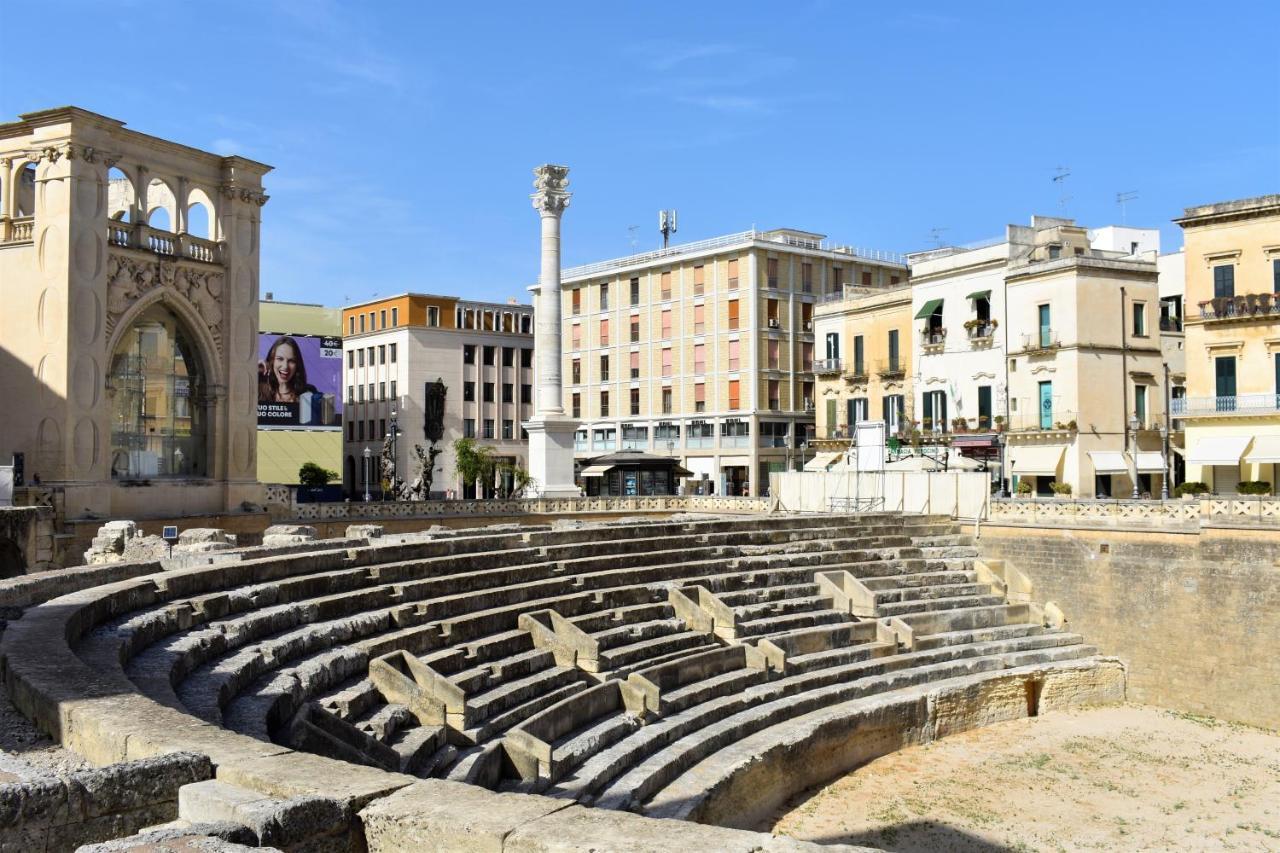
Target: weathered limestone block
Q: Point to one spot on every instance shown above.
(1075, 687)
(201, 539)
(287, 534)
(365, 531)
(109, 544)
(309, 822)
(194, 839)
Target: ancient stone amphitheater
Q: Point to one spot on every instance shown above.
(531, 688)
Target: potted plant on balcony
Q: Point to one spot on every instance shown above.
(1255, 487)
(927, 423)
(1024, 489)
(1060, 490)
(1190, 490)
(999, 422)
(1072, 425)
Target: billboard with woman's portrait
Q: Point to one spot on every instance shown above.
(299, 381)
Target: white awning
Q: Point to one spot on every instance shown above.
(1218, 450)
(1266, 448)
(1150, 462)
(1037, 460)
(821, 462)
(1109, 462)
(595, 470)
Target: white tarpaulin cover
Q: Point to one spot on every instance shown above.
(1266, 448)
(1037, 460)
(1218, 450)
(1109, 462)
(595, 470)
(822, 461)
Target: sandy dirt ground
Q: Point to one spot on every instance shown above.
(1120, 778)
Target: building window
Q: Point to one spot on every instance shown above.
(508, 392)
(733, 314)
(604, 404)
(488, 356)
(360, 432)
(1139, 320)
(700, 396)
(833, 346)
(934, 418)
(508, 429)
(733, 274)
(360, 357)
(393, 390)
(351, 394)
(468, 427)
(699, 359)
(1224, 372)
(393, 353)
(395, 316)
(734, 401)
(604, 368)
(771, 272)
(806, 355)
(487, 427)
(666, 402)
(635, 291)
(771, 313)
(526, 393)
(360, 393)
(382, 391)
(351, 325)
(699, 280)
(666, 361)
(575, 336)
(382, 353)
(382, 428)
(894, 363)
(894, 408)
(664, 288)
(508, 356)
(372, 351)
(1224, 280)
(1140, 405)
(351, 430)
(837, 279)
(806, 277)
(699, 319)
(468, 353)
(774, 354)
(575, 301)
(575, 371)
(604, 333)
(468, 391)
(984, 407)
(1275, 276)
(859, 353)
(576, 407)
(635, 401)
(362, 322)
(734, 348)
(604, 296)
(351, 359)
(775, 395)
(666, 324)
(866, 278)
(635, 328)
(526, 358)
(382, 315)
(486, 392)
(635, 364)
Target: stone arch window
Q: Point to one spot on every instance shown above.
(24, 191)
(200, 220)
(159, 408)
(121, 195)
(161, 206)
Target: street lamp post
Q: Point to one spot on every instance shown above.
(1164, 445)
(367, 454)
(395, 458)
(1134, 423)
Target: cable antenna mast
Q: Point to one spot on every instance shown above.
(935, 235)
(1122, 199)
(667, 225)
(1060, 176)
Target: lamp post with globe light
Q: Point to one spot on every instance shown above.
(367, 455)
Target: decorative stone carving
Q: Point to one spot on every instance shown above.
(128, 279)
(551, 183)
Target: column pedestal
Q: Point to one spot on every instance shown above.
(551, 455)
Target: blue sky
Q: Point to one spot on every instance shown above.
(403, 134)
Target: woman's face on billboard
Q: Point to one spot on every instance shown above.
(285, 364)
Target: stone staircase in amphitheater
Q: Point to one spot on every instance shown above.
(675, 668)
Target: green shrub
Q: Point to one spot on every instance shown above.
(1024, 488)
(311, 474)
(1255, 487)
(1191, 487)
(1060, 488)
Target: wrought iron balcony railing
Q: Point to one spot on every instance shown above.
(1242, 404)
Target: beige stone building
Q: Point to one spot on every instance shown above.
(1232, 404)
(863, 366)
(1085, 369)
(395, 347)
(705, 351)
(128, 333)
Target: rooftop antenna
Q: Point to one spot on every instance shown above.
(631, 234)
(1060, 176)
(935, 234)
(1122, 199)
(667, 225)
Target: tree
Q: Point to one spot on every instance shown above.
(311, 474)
(518, 478)
(472, 462)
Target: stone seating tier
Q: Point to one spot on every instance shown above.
(610, 664)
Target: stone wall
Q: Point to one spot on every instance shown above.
(1196, 614)
(55, 814)
(26, 539)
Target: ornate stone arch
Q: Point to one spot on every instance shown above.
(208, 350)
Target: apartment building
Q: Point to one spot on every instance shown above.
(863, 363)
(704, 351)
(395, 347)
(1086, 390)
(1231, 410)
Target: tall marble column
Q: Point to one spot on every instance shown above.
(550, 431)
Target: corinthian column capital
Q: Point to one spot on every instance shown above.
(551, 183)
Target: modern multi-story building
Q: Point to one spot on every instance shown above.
(1231, 410)
(297, 333)
(395, 347)
(705, 350)
(863, 364)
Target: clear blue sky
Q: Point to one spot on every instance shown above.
(403, 133)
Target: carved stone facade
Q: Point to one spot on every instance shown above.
(98, 262)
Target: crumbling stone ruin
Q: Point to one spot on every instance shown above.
(647, 685)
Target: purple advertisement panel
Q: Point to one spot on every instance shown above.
(299, 381)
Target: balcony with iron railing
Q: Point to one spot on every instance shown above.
(1170, 324)
(857, 372)
(980, 331)
(891, 368)
(933, 339)
(1246, 306)
(1044, 340)
(826, 366)
(1058, 420)
(1241, 404)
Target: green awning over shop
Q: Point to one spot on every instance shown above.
(928, 308)
(980, 294)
